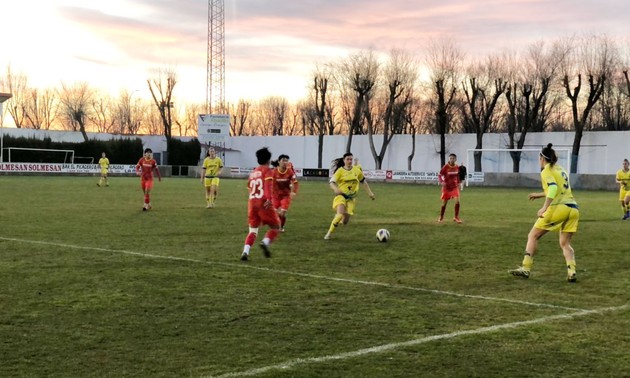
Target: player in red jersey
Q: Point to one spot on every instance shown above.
(145, 167)
(449, 178)
(285, 187)
(260, 206)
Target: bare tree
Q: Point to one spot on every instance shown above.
(593, 58)
(356, 77)
(482, 90)
(614, 108)
(413, 119)
(321, 78)
(293, 125)
(152, 121)
(161, 86)
(615, 104)
(102, 113)
(190, 114)
(75, 104)
(273, 111)
(16, 84)
(400, 76)
(41, 109)
(240, 117)
(127, 113)
(443, 60)
(529, 94)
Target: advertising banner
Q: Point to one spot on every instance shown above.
(64, 168)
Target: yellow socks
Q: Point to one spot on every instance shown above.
(335, 222)
(528, 262)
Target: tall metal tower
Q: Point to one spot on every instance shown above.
(215, 96)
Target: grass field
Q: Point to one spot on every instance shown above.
(92, 286)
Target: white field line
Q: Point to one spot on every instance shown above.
(307, 275)
(387, 347)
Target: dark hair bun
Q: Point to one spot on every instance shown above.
(549, 145)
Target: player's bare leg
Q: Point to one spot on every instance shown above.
(569, 255)
(282, 213)
(340, 217)
(213, 195)
(442, 210)
(530, 250)
(456, 218)
(270, 236)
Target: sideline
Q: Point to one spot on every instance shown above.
(387, 347)
(286, 272)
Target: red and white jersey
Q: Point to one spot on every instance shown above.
(449, 174)
(145, 167)
(284, 182)
(260, 184)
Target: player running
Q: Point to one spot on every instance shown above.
(345, 184)
(260, 208)
(285, 187)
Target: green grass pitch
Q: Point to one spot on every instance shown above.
(92, 286)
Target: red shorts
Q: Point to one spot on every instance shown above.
(282, 202)
(146, 184)
(447, 194)
(257, 215)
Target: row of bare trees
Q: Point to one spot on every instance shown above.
(79, 107)
(570, 84)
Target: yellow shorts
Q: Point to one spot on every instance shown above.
(104, 172)
(348, 203)
(209, 181)
(623, 193)
(561, 218)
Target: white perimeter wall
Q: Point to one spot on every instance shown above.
(600, 153)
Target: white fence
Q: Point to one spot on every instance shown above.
(601, 152)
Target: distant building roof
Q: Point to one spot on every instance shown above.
(5, 96)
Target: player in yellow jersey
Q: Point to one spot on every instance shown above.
(623, 179)
(210, 171)
(104, 163)
(558, 213)
(345, 184)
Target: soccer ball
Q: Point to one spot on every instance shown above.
(382, 235)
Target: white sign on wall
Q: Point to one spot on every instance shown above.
(213, 128)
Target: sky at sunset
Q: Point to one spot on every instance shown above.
(271, 46)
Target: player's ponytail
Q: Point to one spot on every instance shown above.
(549, 154)
(336, 164)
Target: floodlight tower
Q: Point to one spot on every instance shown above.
(215, 96)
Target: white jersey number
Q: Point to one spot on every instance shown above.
(256, 188)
